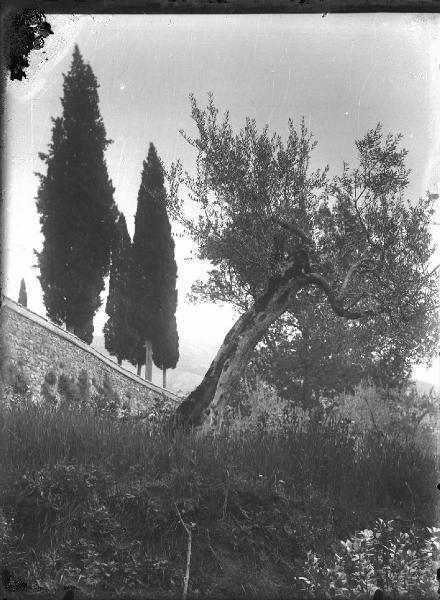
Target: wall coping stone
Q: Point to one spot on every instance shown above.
(73, 339)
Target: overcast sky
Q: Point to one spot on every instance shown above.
(343, 73)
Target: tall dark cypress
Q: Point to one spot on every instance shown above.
(22, 295)
(154, 271)
(76, 207)
(118, 334)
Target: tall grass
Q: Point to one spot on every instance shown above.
(363, 467)
(92, 499)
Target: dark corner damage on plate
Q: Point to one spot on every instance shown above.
(25, 30)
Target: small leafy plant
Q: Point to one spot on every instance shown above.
(400, 562)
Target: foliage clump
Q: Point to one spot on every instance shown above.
(387, 557)
(107, 398)
(15, 380)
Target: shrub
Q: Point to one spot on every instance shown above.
(259, 407)
(404, 411)
(107, 399)
(69, 389)
(16, 387)
(50, 378)
(84, 386)
(18, 379)
(401, 562)
(47, 394)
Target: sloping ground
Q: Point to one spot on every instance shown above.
(93, 502)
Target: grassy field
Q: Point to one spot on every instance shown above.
(288, 508)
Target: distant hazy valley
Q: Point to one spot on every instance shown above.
(195, 358)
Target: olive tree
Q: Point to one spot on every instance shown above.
(277, 232)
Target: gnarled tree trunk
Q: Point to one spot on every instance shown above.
(234, 354)
(222, 377)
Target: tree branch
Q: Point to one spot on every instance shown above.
(351, 271)
(361, 220)
(335, 300)
(188, 529)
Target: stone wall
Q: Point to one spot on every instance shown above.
(44, 352)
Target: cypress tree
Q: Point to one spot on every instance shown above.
(118, 335)
(76, 207)
(166, 341)
(153, 272)
(22, 295)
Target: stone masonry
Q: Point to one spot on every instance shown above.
(39, 347)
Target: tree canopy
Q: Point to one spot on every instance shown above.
(310, 352)
(76, 207)
(276, 231)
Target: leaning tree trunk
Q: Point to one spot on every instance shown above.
(222, 377)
